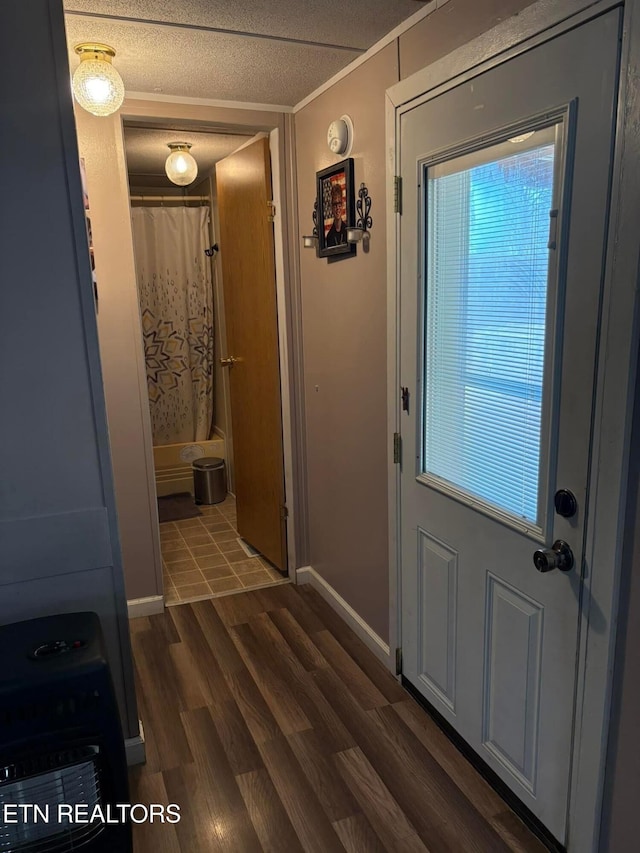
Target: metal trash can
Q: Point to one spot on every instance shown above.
(209, 480)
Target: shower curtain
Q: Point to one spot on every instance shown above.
(176, 308)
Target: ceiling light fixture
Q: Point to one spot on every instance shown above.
(97, 86)
(181, 167)
(522, 137)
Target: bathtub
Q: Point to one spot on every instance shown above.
(173, 464)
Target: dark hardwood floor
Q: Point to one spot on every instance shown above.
(274, 728)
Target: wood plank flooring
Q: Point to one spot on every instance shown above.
(274, 728)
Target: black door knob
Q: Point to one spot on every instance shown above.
(559, 556)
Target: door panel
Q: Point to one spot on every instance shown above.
(438, 595)
(505, 192)
(243, 183)
(513, 652)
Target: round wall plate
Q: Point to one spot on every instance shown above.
(340, 136)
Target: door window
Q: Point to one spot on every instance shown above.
(486, 301)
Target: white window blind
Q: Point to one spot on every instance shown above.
(487, 216)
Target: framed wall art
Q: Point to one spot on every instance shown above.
(335, 209)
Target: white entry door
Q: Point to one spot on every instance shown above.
(502, 239)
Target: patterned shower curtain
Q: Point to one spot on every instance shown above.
(176, 308)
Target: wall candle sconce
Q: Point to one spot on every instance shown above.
(360, 231)
(310, 241)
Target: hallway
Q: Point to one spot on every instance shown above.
(274, 728)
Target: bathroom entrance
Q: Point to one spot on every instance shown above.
(196, 407)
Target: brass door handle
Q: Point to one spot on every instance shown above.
(228, 362)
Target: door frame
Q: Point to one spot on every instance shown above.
(280, 129)
(617, 357)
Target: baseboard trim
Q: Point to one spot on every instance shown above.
(145, 606)
(307, 574)
(135, 749)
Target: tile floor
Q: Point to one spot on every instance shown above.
(201, 556)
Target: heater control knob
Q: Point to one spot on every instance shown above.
(55, 648)
(48, 650)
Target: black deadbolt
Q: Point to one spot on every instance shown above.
(565, 503)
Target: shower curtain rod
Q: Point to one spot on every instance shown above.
(162, 198)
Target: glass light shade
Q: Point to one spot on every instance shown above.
(181, 167)
(97, 86)
(522, 137)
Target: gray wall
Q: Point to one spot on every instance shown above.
(622, 783)
(59, 542)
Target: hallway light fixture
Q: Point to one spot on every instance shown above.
(360, 231)
(97, 86)
(181, 167)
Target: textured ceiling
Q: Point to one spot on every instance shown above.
(209, 65)
(353, 23)
(257, 51)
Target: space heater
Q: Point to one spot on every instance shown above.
(61, 743)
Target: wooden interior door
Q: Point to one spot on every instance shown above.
(248, 271)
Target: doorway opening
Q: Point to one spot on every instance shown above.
(185, 322)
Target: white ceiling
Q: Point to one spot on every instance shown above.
(254, 51)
